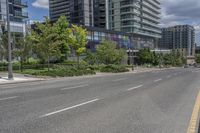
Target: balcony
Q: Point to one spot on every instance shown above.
(20, 14)
(19, 3)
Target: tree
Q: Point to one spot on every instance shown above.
(46, 41)
(108, 53)
(168, 59)
(198, 59)
(78, 40)
(145, 56)
(23, 47)
(62, 29)
(4, 46)
(156, 58)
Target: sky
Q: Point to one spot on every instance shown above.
(174, 12)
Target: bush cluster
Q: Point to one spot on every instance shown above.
(61, 72)
(114, 69)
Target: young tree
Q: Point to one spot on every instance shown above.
(46, 41)
(78, 40)
(23, 47)
(108, 53)
(62, 29)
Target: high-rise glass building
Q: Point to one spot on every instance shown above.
(140, 18)
(83, 12)
(18, 14)
(76, 11)
(135, 16)
(100, 8)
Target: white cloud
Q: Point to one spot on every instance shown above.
(41, 4)
(180, 12)
(175, 12)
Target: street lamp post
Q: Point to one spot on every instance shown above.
(10, 69)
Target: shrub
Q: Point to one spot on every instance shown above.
(114, 69)
(61, 72)
(32, 61)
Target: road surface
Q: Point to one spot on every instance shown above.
(150, 102)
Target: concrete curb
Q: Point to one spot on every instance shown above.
(85, 76)
(19, 82)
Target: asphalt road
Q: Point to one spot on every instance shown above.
(151, 102)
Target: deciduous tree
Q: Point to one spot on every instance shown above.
(78, 40)
(46, 41)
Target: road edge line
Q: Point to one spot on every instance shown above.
(192, 128)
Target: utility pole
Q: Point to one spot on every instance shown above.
(10, 69)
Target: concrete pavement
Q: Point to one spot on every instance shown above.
(151, 102)
(18, 78)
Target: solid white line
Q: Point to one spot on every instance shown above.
(134, 87)
(65, 109)
(157, 80)
(8, 98)
(74, 87)
(119, 79)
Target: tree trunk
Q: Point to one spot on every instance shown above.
(48, 63)
(21, 65)
(78, 61)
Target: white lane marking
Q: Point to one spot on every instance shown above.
(157, 80)
(66, 109)
(121, 79)
(8, 98)
(74, 87)
(134, 88)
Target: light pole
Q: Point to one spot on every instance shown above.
(10, 69)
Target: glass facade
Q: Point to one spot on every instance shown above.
(96, 36)
(135, 16)
(18, 14)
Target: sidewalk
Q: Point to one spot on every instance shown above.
(18, 78)
(137, 70)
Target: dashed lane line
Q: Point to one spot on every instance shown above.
(69, 108)
(157, 80)
(75, 87)
(133, 88)
(121, 79)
